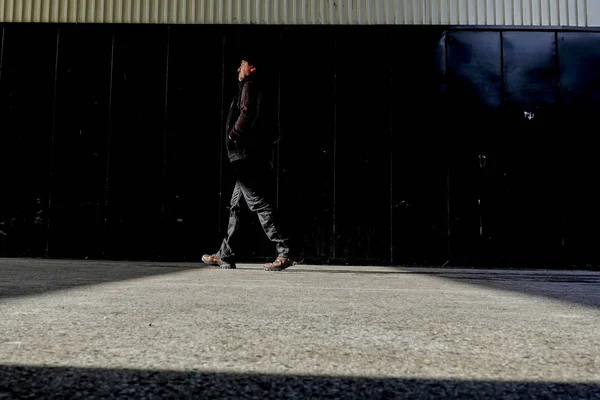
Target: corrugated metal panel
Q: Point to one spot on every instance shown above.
(593, 12)
(311, 12)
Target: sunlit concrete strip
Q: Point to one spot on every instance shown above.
(371, 322)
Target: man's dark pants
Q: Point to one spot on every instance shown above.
(252, 189)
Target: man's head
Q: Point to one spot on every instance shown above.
(247, 67)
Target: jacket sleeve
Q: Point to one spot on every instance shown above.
(248, 112)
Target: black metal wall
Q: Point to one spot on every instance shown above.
(401, 145)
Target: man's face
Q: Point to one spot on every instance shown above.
(244, 70)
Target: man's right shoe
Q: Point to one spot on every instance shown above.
(212, 259)
(280, 264)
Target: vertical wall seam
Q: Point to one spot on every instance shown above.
(448, 232)
(334, 209)
(2, 52)
(559, 101)
(277, 145)
(222, 130)
(52, 143)
(108, 141)
(502, 88)
(391, 154)
(166, 131)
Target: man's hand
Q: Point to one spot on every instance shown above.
(234, 135)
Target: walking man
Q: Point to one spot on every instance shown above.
(249, 149)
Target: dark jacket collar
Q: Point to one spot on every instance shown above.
(246, 79)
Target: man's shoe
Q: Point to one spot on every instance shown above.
(280, 264)
(212, 259)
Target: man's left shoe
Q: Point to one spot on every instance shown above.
(212, 259)
(280, 264)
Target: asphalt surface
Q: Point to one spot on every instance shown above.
(98, 329)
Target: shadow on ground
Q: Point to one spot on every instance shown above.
(24, 277)
(19, 382)
(580, 287)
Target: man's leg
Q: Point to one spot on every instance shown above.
(227, 250)
(253, 182)
(224, 258)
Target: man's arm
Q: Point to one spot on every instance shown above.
(248, 111)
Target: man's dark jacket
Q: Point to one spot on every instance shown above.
(247, 135)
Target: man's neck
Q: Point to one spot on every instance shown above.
(247, 78)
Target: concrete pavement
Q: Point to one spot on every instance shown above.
(83, 329)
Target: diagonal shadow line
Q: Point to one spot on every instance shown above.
(19, 382)
(25, 277)
(580, 287)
